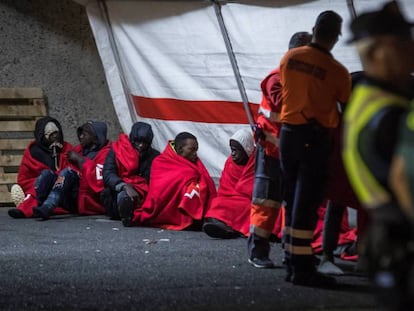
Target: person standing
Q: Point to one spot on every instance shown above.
(383, 39)
(267, 191)
(313, 83)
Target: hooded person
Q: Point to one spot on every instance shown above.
(141, 137)
(126, 172)
(229, 212)
(46, 152)
(180, 190)
(78, 187)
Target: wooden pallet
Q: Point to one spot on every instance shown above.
(19, 110)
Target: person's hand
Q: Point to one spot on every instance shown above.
(258, 133)
(75, 158)
(132, 193)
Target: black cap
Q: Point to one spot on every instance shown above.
(387, 21)
(299, 39)
(329, 21)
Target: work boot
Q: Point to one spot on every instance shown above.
(218, 229)
(259, 249)
(125, 209)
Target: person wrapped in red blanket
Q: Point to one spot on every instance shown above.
(78, 187)
(180, 189)
(126, 172)
(229, 214)
(46, 152)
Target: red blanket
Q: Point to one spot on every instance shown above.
(29, 170)
(347, 235)
(127, 158)
(91, 183)
(233, 201)
(179, 192)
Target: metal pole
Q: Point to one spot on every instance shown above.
(127, 93)
(351, 8)
(233, 61)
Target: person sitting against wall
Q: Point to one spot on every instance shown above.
(229, 214)
(77, 188)
(126, 172)
(180, 190)
(46, 152)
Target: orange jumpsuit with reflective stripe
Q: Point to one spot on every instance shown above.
(267, 189)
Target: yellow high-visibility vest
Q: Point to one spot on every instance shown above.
(365, 102)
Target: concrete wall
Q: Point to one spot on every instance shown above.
(49, 44)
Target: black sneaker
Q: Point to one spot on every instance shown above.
(218, 229)
(261, 263)
(313, 279)
(16, 213)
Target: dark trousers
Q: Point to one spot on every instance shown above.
(58, 190)
(332, 226)
(304, 157)
(111, 200)
(267, 178)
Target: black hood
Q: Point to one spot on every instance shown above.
(141, 131)
(39, 132)
(100, 131)
(41, 150)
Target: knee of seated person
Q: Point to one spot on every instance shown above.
(45, 175)
(68, 179)
(45, 181)
(123, 196)
(69, 173)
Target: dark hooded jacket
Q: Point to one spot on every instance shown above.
(124, 164)
(140, 131)
(91, 180)
(40, 149)
(99, 130)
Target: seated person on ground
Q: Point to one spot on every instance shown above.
(46, 152)
(126, 172)
(180, 189)
(229, 213)
(77, 188)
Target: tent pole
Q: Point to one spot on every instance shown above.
(127, 92)
(233, 61)
(351, 8)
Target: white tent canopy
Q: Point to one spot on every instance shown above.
(196, 66)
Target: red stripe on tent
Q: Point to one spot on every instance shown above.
(207, 111)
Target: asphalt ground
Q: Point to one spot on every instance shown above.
(93, 263)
